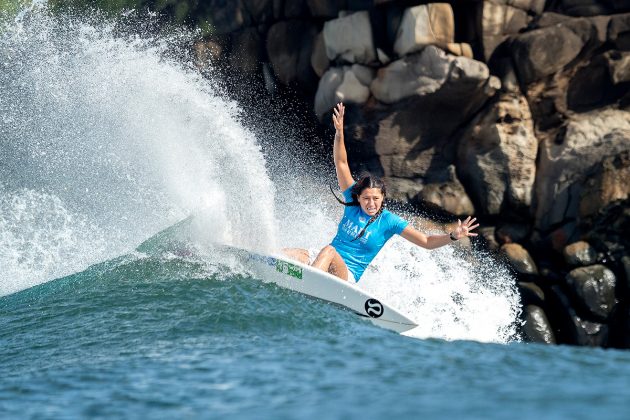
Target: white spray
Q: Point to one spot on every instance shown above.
(105, 140)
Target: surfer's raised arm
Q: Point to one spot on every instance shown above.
(344, 177)
(435, 241)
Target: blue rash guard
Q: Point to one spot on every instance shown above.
(359, 253)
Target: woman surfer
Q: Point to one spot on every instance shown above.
(366, 225)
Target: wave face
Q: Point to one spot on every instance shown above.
(110, 135)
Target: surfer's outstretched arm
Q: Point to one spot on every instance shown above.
(435, 241)
(344, 177)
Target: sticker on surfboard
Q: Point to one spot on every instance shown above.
(373, 308)
(289, 269)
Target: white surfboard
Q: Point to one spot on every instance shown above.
(293, 275)
(310, 281)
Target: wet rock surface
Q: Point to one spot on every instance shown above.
(580, 253)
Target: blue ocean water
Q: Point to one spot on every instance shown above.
(106, 138)
(146, 336)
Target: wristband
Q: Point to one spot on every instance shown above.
(450, 235)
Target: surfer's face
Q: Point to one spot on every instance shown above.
(371, 200)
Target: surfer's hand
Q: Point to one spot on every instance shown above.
(464, 228)
(338, 117)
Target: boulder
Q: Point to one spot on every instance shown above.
(488, 234)
(289, 47)
(603, 75)
(260, 11)
(503, 68)
(326, 96)
(590, 333)
(364, 74)
(502, 19)
(414, 139)
(497, 156)
(579, 254)
(519, 258)
(535, 7)
(291, 9)
(608, 231)
(574, 329)
(348, 84)
(419, 74)
(210, 52)
(590, 138)
(349, 39)
(226, 16)
(462, 49)
(410, 152)
(543, 52)
(449, 195)
(403, 189)
(537, 328)
(590, 7)
(513, 232)
(497, 22)
(551, 19)
(325, 8)
(619, 67)
(319, 59)
(619, 31)
(351, 89)
(607, 182)
(531, 294)
(465, 70)
(428, 24)
(593, 288)
(428, 72)
(246, 52)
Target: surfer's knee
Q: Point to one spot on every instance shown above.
(338, 267)
(328, 251)
(324, 257)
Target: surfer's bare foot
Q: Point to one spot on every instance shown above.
(297, 254)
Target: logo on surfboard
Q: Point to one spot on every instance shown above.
(373, 308)
(289, 269)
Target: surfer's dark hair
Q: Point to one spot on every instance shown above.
(365, 181)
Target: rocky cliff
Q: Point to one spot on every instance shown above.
(515, 110)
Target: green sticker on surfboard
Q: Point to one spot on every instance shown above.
(289, 269)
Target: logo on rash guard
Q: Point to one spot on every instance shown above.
(353, 230)
(373, 308)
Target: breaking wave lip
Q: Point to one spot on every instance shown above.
(109, 137)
